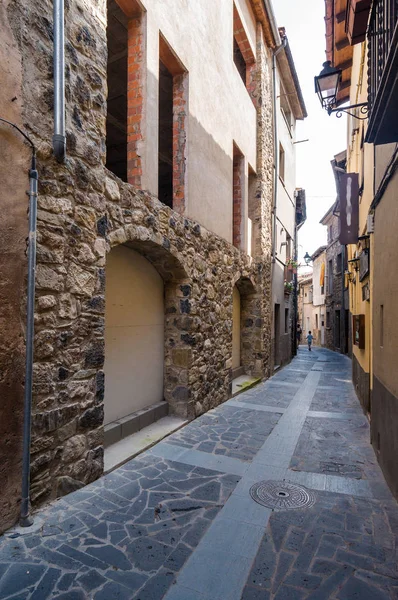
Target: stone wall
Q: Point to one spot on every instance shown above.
(84, 211)
(333, 298)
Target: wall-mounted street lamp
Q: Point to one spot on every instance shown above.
(307, 259)
(327, 87)
(355, 263)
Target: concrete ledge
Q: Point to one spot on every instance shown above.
(243, 383)
(122, 428)
(123, 450)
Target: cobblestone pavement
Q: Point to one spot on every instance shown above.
(178, 522)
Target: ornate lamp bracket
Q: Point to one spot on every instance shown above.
(364, 108)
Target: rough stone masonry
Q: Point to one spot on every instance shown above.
(84, 211)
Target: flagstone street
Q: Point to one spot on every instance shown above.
(180, 521)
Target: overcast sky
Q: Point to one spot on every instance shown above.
(305, 29)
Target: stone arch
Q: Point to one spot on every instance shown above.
(251, 321)
(168, 263)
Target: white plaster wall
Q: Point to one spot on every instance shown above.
(220, 109)
(285, 191)
(236, 328)
(134, 334)
(319, 298)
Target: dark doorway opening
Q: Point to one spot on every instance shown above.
(276, 334)
(165, 177)
(116, 119)
(346, 331)
(337, 329)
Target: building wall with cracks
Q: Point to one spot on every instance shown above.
(84, 212)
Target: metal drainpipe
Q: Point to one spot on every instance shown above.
(276, 149)
(25, 519)
(59, 139)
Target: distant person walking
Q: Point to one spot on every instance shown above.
(310, 337)
(299, 332)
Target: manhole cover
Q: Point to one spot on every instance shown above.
(282, 495)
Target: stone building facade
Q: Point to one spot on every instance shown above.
(290, 108)
(336, 297)
(85, 211)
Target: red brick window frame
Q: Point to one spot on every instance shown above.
(238, 182)
(180, 122)
(242, 41)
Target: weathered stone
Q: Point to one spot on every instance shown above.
(92, 418)
(74, 448)
(112, 189)
(80, 281)
(66, 485)
(46, 302)
(52, 420)
(48, 279)
(182, 357)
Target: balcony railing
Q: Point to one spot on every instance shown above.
(382, 38)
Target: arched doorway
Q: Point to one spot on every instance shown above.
(134, 334)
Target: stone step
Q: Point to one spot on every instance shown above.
(117, 430)
(129, 447)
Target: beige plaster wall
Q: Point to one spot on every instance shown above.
(220, 109)
(236, 327)
(385, 289)
(134, 334)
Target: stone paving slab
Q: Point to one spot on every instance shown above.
(124, 536)
(178, 522)
(330, 550)
(336, 447)
(228, 431)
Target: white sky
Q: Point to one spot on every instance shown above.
(305, 29)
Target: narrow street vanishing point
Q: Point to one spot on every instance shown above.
(209, 513)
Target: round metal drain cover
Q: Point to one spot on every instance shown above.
(282, 495)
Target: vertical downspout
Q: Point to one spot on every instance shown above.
(59, 139)
(276, 148)
(25, 519)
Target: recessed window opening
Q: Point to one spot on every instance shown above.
(253, 215)
(339, 262)
(281, 162)
(330, 276)
(116, 119)
(239, 61)
(243, 55)
(238, 183)
(285, 108)
(165, 172)
(172, 128)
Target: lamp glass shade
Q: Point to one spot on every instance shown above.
(326, 85)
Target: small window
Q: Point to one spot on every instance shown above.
(286, 320)
(330, 277)
(281, 162)
(330, 233)
(338, 263)
(316, 321)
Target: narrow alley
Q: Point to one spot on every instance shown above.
(274, 495)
